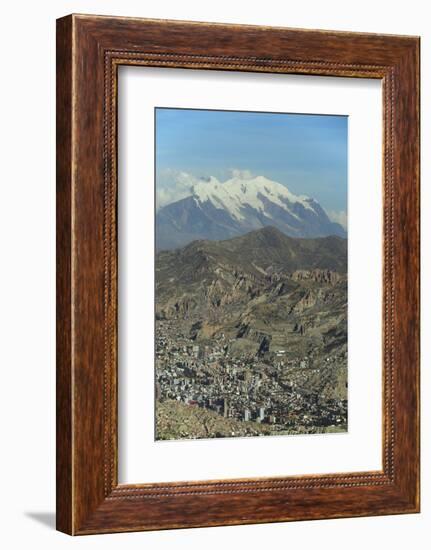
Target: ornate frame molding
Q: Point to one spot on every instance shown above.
(90, 50)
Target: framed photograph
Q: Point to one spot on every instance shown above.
(237, 274)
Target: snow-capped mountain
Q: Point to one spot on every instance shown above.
(220, 210)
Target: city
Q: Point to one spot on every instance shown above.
(281, 394)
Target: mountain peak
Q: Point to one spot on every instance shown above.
(268, 235)
(264, 248)
(218, 210)
(242, 192)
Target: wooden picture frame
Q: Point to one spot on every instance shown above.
(89, 51)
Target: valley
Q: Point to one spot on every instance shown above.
(251, 336)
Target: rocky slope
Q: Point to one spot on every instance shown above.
(264, 292)
(175, 420)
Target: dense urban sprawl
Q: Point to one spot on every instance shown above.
(266, 388)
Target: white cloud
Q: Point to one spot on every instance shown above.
(338, 216)
(173, 186)
(240, 174)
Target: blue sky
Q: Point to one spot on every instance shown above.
(307, 153)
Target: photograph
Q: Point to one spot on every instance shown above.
(215, 271)
(251, 273)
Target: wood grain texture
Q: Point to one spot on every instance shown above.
(90, 49)
(64, 497)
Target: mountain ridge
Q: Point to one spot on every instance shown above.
(265, 249)
(208, 273)
(219, 211)
(251, 328)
